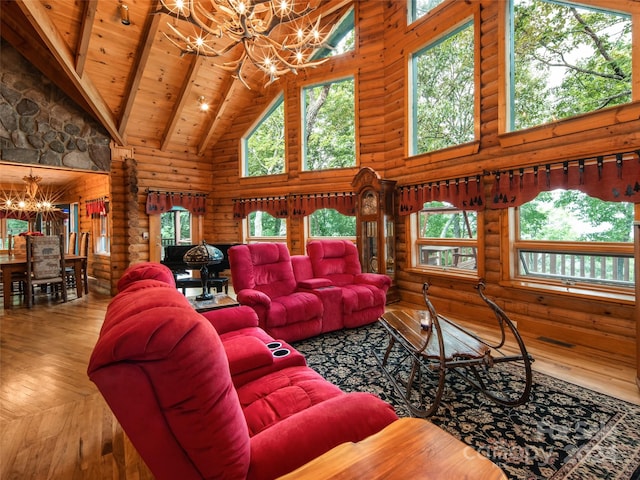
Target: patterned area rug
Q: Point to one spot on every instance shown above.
(562, 432)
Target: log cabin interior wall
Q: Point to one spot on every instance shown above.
(379, 66)
(381, 103)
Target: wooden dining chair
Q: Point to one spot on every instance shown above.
(83, 252)
(17, 246)
(45, 266)
(72, 248)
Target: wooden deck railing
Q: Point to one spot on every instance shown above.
(615, 269)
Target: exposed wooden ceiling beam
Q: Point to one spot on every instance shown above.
(142, 58)
(33, 49)
(89, 16)
(190, 78)
(225, 91)
(40, 21)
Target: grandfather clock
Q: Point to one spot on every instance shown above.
(375, 214)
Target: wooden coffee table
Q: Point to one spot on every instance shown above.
(409, 448)
(219, 300)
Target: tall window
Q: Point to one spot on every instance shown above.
(262, 227)
(264, 147)
(566, 59)
(566, 237)
(329, 125)
(327, 222)
(442, 92)
(446, 238)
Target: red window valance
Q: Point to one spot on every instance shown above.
(613, 178)
(465, 193)
(296, 205)
(303, 205)
(275, 206)
(160, 202)
(97, 207)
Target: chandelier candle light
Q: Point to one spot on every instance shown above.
(224, 24)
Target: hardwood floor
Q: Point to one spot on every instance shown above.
(54, 423)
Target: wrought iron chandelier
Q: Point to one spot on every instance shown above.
(218, 28)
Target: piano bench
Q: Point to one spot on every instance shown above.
(192, 282)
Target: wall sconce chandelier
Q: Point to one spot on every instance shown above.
(225, 24)
(30, 203)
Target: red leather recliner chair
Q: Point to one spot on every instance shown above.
(163, 370)
(364, 295)
(263, 279)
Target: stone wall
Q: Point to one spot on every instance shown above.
(40, 125)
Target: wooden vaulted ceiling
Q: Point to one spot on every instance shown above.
(131, 78)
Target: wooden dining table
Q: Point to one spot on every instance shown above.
(10, 263)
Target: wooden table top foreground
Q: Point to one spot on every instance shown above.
(409, 448)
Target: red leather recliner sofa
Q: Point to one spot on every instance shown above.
(300, 296)
(197, 405)
(364, 295)
(263, 279)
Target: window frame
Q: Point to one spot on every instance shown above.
(413, 109)
(441, 21)
(412, 225)
(244, 141)
(602, 291)
(100, 231)
(248, 238)
(176, 213)
(608, 116)
(303, 112)
(342, 28)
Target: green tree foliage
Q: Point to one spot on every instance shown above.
(444, 92)
(262, 224)
(445, 221)
(567, 60)
(328, 222)
(168, 221)
(330, 125)
(265, 146)
(15, 227)
(569, 215)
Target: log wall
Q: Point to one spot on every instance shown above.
(379, 66)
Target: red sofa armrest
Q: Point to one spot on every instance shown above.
(312, 283)
(246, 353)
(377, 279)
(308, 434)
(252, 297)
(229, 319)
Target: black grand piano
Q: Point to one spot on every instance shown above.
(182, 272)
